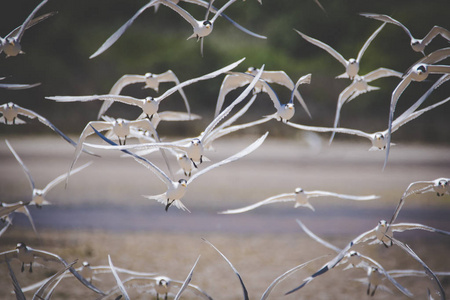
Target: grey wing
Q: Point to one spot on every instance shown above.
(327, 129)
(204, 77)
(275, 199)
(177, 116)
(17, 86)
(381, 72)
(343, 97)
(436, 30)
(229, 83)
(367, 43)
(388, 19)
(28, 20)
(400, 227)
(285, 275)
(232, 267)
(342, 196)
(74, 98)
(118, 280)
(186, 281)
(316, 238)
(31, 23)
(187, 16)
(440, 69)
(302, 80)
(24, 168)
(124, 81)
(252, 147)
(53, 280)
(116, 35)
(62, 177)
(170, 76)
(429, 272)
(17, 289)
(325, 47)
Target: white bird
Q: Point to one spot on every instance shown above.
(201, 28)
(360, 85)
(11, 43)
(151, 80)
(193, 147)
(382, 233)
(148, 105)
(440, 186)
(417, 45)
(351, 65)
(176, 189)
(237, 80)
(11, 111)
(300, 197)
(119, 127)
(155, 3)
(380, 139)
(419, 72)
(27, 256)
(354, 259)
(39, 195)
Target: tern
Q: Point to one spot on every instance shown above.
(380, 140)
(417, 45)
(351, 65)
(360, 85)
(27, 256)
(151, 80)
(193, 147)
(382, 233)
(419, 72)
(11, 43)
(119, 127)
(300, 197)
(176, 189)
(355, 259)
(440, 186)
(236, 80)
(39, 195)
(11, 111)
(201, 28)
(148, 105)
(155, 3)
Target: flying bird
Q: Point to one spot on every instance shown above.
(39, 195)
(148, 105)
(417, 45)
(237, 80)
(11, 43)
(351, 65)
(300, 197)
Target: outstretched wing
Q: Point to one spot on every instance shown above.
(288, 197)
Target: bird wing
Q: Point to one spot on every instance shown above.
(367, 43)
(17, 289)
(436, 30)
(327, 129)
(249, 149)
(342, 196)
(17, 86)
(28, 20)
(187, 16)
(6, 208)
(387, 19)
(229, 83)
(232, 267)
(332, 263)
(31, 23)
(62, 177)
(302, 80)
(24, 168)
(117, 278)
(116, 35)
(400, 227)
(204, 77)
(288, 197)
(186, 284)
(53, 280)
(176, 116)
(221, 10)
(227, 110)
(124, 81)
(316, 238)
(285, 275)
(325, 47)
(381, 72)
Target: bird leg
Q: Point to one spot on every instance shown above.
(374, 289)
(168, 204)
(195, 165)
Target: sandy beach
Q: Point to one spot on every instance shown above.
(102, 212)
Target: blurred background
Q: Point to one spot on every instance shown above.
(58, 49)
